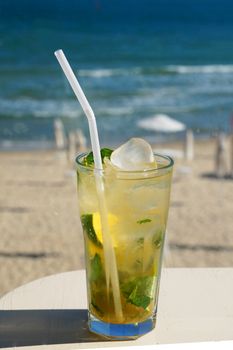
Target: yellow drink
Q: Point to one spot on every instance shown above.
(137, 204)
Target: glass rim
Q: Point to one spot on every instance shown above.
(145, 171)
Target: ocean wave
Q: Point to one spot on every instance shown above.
(25, 107)
(156, 70)
(206, 69)
(39, 109)
(103, 73)
(115, 111)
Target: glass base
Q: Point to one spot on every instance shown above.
(120, 331)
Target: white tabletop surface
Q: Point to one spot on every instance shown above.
(194, 305)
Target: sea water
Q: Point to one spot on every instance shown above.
(134, 59)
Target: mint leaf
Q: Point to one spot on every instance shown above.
(105, 153)
(143, 221)
(89, 159)
(140, 241)
(128, 287)
(138, 263)
(139, 291)
(87, 224)
(157, 238)
(139, 300)
(97, 271)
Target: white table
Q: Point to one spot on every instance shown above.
(195, 305)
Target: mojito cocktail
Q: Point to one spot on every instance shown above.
(137, 208)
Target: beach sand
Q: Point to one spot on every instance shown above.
(40, 228)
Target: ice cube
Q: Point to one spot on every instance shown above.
(136, 154)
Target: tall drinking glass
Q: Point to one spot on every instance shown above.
(137, 210)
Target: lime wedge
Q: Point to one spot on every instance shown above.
(91, 224)
(112, 221)
(87, 224)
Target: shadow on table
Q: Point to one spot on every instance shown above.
(40, 327)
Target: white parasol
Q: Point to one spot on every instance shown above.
(162, 123)
(166, 124)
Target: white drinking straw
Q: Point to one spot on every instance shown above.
(109, 254)
(85, 106)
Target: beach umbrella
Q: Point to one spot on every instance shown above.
(162, 123)
(166, 124)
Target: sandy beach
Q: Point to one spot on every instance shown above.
(40, 228)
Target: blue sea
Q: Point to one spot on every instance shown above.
(133, 59)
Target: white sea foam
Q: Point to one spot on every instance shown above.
(118, 110)
(180, 69)
(39, 109)
(103, 73)
(206, 69)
